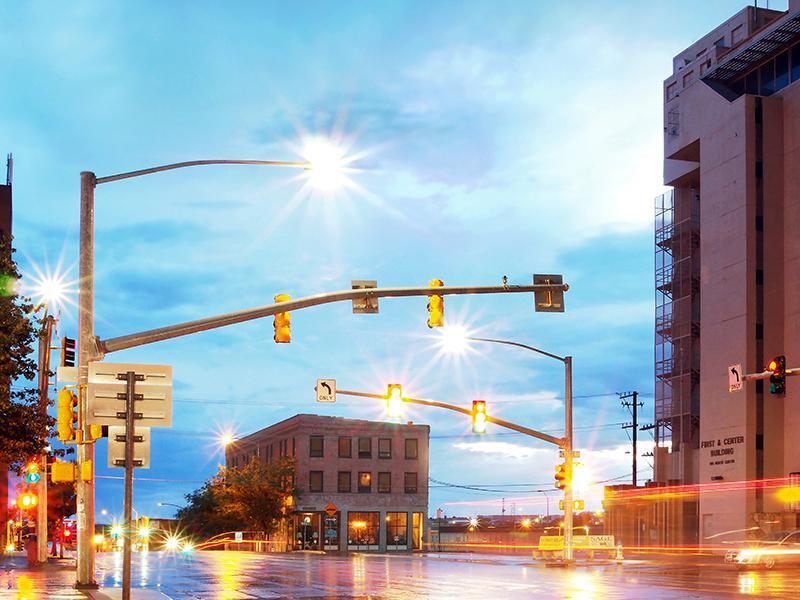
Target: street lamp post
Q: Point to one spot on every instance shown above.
(87, 346)
(567, 441)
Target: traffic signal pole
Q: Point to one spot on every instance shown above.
(45, 341)
(568, 462)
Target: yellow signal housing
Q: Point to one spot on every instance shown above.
(86, 471)
(283, 322)
(435, 306)
(62, 472)
(67, 415)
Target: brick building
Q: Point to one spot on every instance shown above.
(361, 485)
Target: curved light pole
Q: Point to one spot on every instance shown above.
(87, 345)
(170, 504)
(567, 442)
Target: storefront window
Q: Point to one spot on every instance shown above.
(416, 531)
(362, 530)
(397, 530)
(331, 532)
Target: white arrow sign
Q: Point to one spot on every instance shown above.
(326, 390)
(735, 376)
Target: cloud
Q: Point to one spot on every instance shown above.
(504, 449)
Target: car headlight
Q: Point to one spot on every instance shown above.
(746, 556)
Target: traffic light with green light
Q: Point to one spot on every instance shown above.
(283, 322)
(479, 416)
(32, 474)
(777, 379)
(435, 306)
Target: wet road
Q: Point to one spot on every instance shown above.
(233, 575)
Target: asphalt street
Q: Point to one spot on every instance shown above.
(235, 575)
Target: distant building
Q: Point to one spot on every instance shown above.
(361, 485)
(728, 278)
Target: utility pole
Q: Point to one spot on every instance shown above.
(633, 405)
(45, 340)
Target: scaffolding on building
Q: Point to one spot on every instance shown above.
(677, 319)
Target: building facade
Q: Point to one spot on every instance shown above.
(728, 278)
(360, 485)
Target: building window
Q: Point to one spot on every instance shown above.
(384, 483)
(410, 483)
(384, 448)
(688, 78)
(315, 481)
(412, 448)
(397, 529)
(315, 446)
(796, 62)
(364, 482)
(344, 485)
(345, 447)
(672, 90)
(362, 529)
(737, 35)
(294, 447)
(781, 70)
(416, 531)
(364, 447)
(720, 43)
(767, 73)
(751, 83)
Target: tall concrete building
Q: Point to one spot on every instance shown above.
(728, 276)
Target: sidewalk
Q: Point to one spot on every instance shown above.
(53, 580)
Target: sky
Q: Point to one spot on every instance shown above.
(483, 140)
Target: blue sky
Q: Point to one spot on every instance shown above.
(492, 139)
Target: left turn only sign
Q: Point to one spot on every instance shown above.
(326, 390)
(735, 377)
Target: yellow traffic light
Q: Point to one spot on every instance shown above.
(62, 472)
(479, 416)
(283, 322)
(67, 415)
(394, 404)
(561, 476)
(435, 306)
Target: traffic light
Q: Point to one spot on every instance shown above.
(435, 306)
(479, 416)
(32, 474)
(67, 352)
(561, 476)
(283, 325)
(67, 415)
(394, 404)
(777, 380)
(27, 501)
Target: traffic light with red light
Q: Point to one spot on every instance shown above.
(561, 476)
(67, 420)
(479, 416)
(435, 306)
(777, 379)
(283, 322)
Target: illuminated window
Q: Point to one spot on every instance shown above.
(362, 529)
(397, 529)
(364, 483)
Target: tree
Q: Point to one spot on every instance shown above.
(256, 494)
(250, 497)
(25, 431)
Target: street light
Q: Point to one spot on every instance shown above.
(322, 162)
(458, 338)
(170, 504)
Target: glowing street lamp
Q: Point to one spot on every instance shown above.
(172, 543)
(394, 404)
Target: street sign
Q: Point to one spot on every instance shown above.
(116, 447)
(326, 390)
(67, 374)
(237, 536)
(106, 394)
(365, 306)
(735, 377)
(331, 509)
(550, 300)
